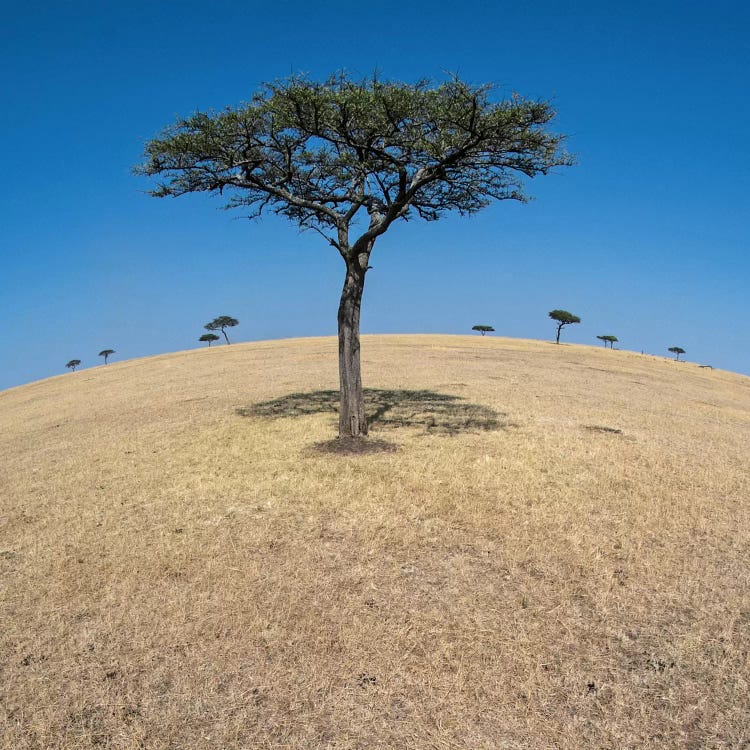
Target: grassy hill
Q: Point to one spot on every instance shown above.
(555, 555)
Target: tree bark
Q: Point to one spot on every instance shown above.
(225, 336)
(559, 328)
(352, 420)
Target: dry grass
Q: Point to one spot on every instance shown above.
(178, 574)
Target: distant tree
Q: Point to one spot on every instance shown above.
(210, 337)
(676, 350)
(73, 364)
(608, 340)
(349, 159)
(563, 318)
(105, 353)
(483, 329)
(221, 324)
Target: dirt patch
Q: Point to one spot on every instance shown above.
(349, 446)
(602, 428)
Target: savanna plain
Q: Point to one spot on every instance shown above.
(551, 551)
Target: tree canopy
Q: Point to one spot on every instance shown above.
(73, 363)
(318, 153)
(106, 353)
(209, 337)
(483, 329)
(608, 339)
(221, 324)
(326, 155)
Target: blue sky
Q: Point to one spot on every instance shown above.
(646, 238)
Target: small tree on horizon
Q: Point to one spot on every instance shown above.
(348, 158)
(105, 353)
(221, 324)
(210, 337)
(483, 329)
(608, 340)
(73, 364)
(562, 318)
(676, 350)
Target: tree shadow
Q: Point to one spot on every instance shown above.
(390, 409)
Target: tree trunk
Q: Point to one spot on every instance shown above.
(225, 336)
(352, 420)
(559, 328)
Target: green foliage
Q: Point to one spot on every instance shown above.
(209, 337)
(317, 153)
(608, 340)
(73, 364)
(220, 323)
(482, 329)
(105, 353)
(564, 317)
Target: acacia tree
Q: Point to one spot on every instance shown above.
(105, 353)
(563, 318)
(608, 340)
(221, 324)
(328, 155)
(73, 364)
(210, 337)
(676, 350)
(483, 329)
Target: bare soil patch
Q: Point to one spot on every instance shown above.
(348, 446)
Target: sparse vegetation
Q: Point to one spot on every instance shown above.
(611, 340)
(221, 324)
(326, 154)
(177, 575)
(72, 364)
(209, 338)
(483, 329)
(106, 353)
(562, 318)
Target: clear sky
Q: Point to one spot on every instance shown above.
(646, 238)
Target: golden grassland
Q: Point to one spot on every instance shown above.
(182, 571)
